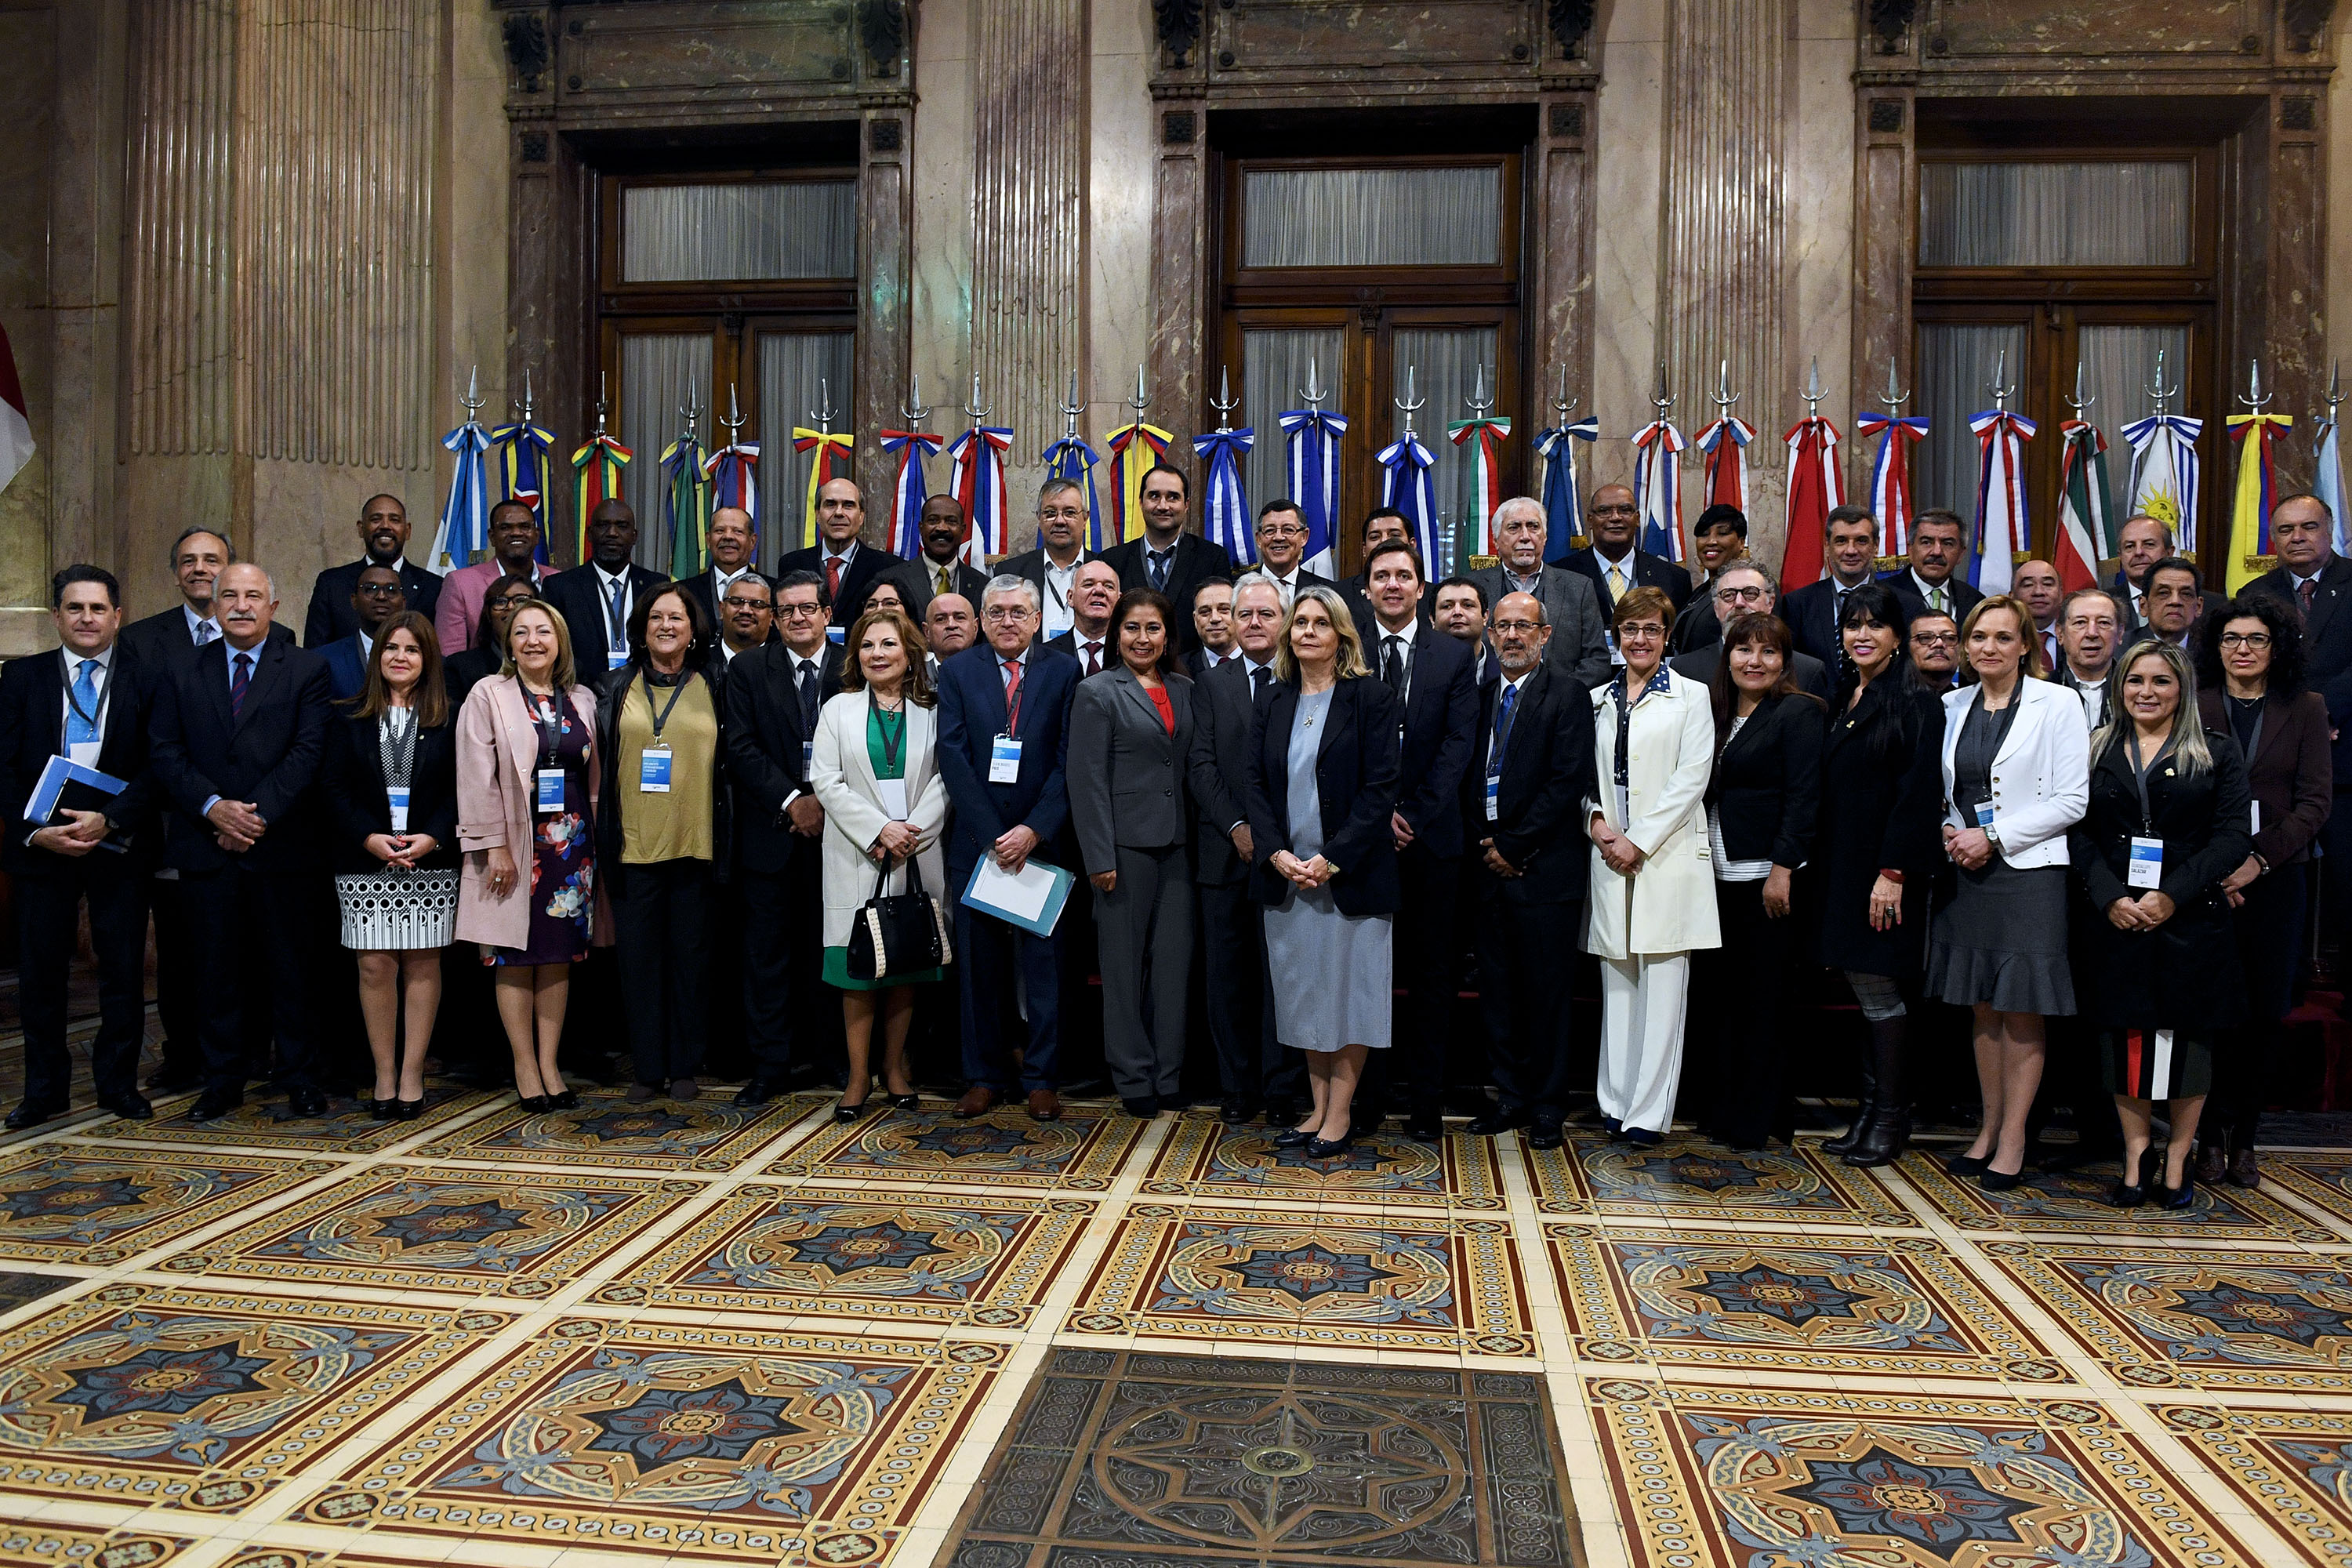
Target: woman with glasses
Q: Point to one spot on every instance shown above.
(461, 672)
(2251, 668)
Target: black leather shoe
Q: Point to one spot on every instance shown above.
(1641, 1137)
(1424, 1128)
(1497, 1121)
(407, 1110)
(1992, 1181)
(1544, 1135)
(1846, 1142)
(1292, 1137)
(131, 1106)
(759, 1091)
(29, 1114)
(306, 1103)
(1236, 1111)
(1143, 1106)
(1964, 1164)
(215, 1103)
(1328, 1148)
(1886, 1135)
(569, 1100)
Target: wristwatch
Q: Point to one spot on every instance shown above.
(1992, 834)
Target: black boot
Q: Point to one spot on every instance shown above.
(1884, 1136)
(1887, 1126)
(1844, 1141)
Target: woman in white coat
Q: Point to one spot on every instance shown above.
(875, 769)
(1652, 897)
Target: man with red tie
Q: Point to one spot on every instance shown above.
(847, 567)
(1094, 594)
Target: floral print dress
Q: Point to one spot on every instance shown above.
(563, 857)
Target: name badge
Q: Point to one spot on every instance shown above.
(398, 800)
(2147, 870)
(652, 770)
(551, 791)
(84, 753)
(1005, 761)
(2257, 807)
(1984, 814)
(1616, 654)
(1494, 797)
(836, 635)
(894, 798)
(808, 758)
(615, 657)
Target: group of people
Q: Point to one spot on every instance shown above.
(2085, 816)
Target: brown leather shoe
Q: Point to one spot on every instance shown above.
(975, 1101)
(1044, 1105)
(2243, 1172)
(2212, 1159)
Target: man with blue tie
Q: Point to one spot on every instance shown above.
(1004, 714)
(597, 597)
(84, 703)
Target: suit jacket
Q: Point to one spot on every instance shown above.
(357, 806)
(1579, 617)
(578, 596)
(1767, 785)
(269, 754)
(1198, 561)
(869, 562)
(1649, 572)
(1127, 790)
(971, 715)
(2135, 625)
(1031, 564)
(1441, 715)
(1067, 643)
(1546, 773)
(162, 644)
(2066, 678)
(457, 613)
(2040, 777)
(1218, 772)
(1701, 663)
(1811, 612)
(2327, 626)
(1964, 593)
(32, 730)
(1882, 797)
(346, 667)
(330, 618)
(764, 734)
(1355, 782)
(915, 583)
(2292, 772)
(703, 589)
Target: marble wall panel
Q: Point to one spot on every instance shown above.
(29, 38)
(1627, 215)
(733, 48)
(1960, 29)
(1120, 131)
(1261, 36)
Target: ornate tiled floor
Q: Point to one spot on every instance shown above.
(638, 1335)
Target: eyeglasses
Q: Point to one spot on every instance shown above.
(1005, 615)
(1936, 639)
(1519, 626)
(2246, 639)
(1754, 593)
(1641, 629)
(1060, 515)
(799, 612)
(1280, 531)
(733, 602)
(380, 590)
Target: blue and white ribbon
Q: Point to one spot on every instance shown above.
(465, 515)
(1312, 459)
(1406, 487)
(1225, 510)
(1562, 500)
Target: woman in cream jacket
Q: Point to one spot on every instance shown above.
(1652, 897)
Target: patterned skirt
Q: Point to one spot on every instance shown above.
(396, 911)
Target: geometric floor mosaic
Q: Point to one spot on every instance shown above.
(712, 1335)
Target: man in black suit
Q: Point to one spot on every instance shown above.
(84, 703)
(597, 597)
(1437, 694)
(1744, 588)
(939, 568)
(384, 536)
(237, 733)
(1531, 768)
(2174, 597)
(2311, 577)
(1053, 566)
(1167, 560)
(1461, 613)
(1282, 549)
(1849, 552)
(1612, 564)
(1931, 580)
(731, 545)
(1385, 524)
(1094, 594)
(2089, 632)
(1254, 1070)
(847, 567)
(1211, 615)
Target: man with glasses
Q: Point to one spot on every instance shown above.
(383, 540)
(1850, 554)
(1575, 611)
(377, 595)
(1934, 645)
(1167, 558)
(1718, 539)
(1053, 566)
(1282, 550)
(1612, 563)
(1744, 588)
(747, 617)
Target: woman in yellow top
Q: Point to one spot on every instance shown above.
(661, 835)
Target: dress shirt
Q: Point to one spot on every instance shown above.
(202, 630)
(722, 581)
(2093, 693)
(367, 647)
(1250, 669)
(1059, 580)
(839, 564)
(103, 679)
(1928, 591)
(254, 653)
(1403, 641)
(814, 668)
(2302, 583)
(1100, 644)
(942, 574)
(1165, 560)
(1515, 584)
(1210, 658)
(1508, 686)
(617, 640)
(2051, 656)
(1616, 575)
(1289, 585)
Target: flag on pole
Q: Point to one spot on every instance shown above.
(912, 489)
(1405, 485)
(1072, 459)
(2002, 528)
(15, 424)
(976, 475)
(1225, 509)
(1890, 477)
(518, 458)
(596, 477)
(734, 480)
(686, 497)
(1816, 488)
(1132, 449)
(1483, 439)
(2250, 512)
(831, 448)
(1658, 489)
(2327, 480)
(1725, 443)
(2086, 519)
(1563, 503)
(2164, 473)
(1311, 459)
(466, 516)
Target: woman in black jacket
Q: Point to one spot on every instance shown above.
(2166, 822)
(1762, 803)
(662, 833)
(461, 672)
(1879, 846)
(391, 785)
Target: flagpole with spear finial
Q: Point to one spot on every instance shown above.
(689, 495)
(2327, 474)
(1225, 507)
(2004, 526)
(1657, 477)
(1071, 458)
(1482, 436)
(2084, 508)
(977, 476)
(1311, 461)
(1890, 468)
(1562, 502)
(912, 489)
(1816, 487)
(596, 474)
(732, 470)
(1724, 444)
(465, 516)
(828, 460)
(1405, 484)
(1224, 403)
(2165, 464)
(2250, 518)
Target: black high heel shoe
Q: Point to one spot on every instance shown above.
(904, 1101)
(1992, 1181)
(408, 1109)
(382, 1110)
(537, 1104)
(844, 1111)
(2181, 1197)
(1964, 1164)
(2130, 1190)
(567, 1101)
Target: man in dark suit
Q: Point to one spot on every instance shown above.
(939, 568)
(384, 536)
(377, 597)
(845, 564)
(1746, 588)
(1531, 768)
(1094, 594)
(2311, 577)
(731, 544)
(86, 703)
(1004, 714)
(2090, 631)
(1931, 579)
(1612, 564)
(1461, 613)
(1384, 524)
(1254, 1070)
(1211, 616)
(597, 597)
(1437, 694)
(1053, 566)
(1167, 560)
(2141, 543)
(1849, 552)
(1282, 549)
(237, 733)
(1576, 611)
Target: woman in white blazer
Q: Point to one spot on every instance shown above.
(2017, 775)
(1652, 884)
(875, 769)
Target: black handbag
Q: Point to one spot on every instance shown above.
(904, 934)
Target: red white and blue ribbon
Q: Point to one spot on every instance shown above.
(976, 475)
(1225, 509)
(2327, 474)
(2250, 511)
(831, 447)
(1724, 443)
(2086, 519)
(1133, 448)
(1658, 489)
(1816, 489)
(1311, 463)
(1563, 502)
(912, 490)
(1483, 438)
(1071, 458)
(2165, 473)
(733, 472)
(1890, 477)
(464, 528)
(2003, 527)
(1405, 485)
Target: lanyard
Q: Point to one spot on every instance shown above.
(892, 739)
(544, 718)
(401, 724)
(662, 718)
(2140, 776)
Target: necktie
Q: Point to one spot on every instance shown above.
(833, 576)
(204, 633)
(1260, 678)
(615, 623)
(1616, 582)
(808, 697)
(1156, 563)
(1503, 729)
(81, 724)
(1094, 659)
(239, 679)
(1392, 663)
(2307, 590)
(1011, 695)
(942, 574)
(1936, 600)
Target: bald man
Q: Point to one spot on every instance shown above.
(383, 529)
(597, 596)
(847, 567)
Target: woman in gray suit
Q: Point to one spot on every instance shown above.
(1130, 727)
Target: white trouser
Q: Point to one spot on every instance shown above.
(1641, 1006)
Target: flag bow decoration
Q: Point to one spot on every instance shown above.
(1658, 487)
(1405, 485)
(1483, 438)
(686, 499)
(2327, 478)
(831, 448)
(465, 515)
(1224, 513)
(1562, 504)
(1890, 476)
(907, 508)
(1133, 447)
(2002, 528)
(521, 460)
(1725, 443)
(977, 477)
(1816, 488)
(1312, 462)
(2164, 472)
(1071, 458)
(734, 480)
(2086, 519)
(596, 470)
(2249, 514)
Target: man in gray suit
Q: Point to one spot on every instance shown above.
(1580, 641)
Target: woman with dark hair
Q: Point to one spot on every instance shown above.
(462, 671)
(2251, 687)
(1762, 805)
(662, 833)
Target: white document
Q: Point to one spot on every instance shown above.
(1023, 893)
(894, 798)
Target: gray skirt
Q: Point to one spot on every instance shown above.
(1329, 974)
(2001, 939)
